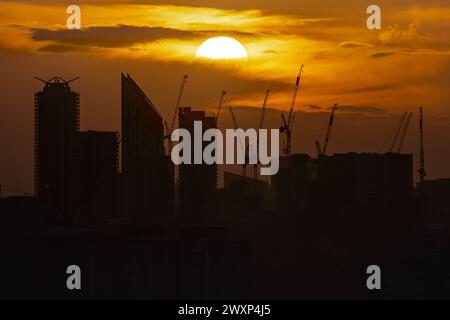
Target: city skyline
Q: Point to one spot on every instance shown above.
(272, 117)
(375, 76)
(126, 118)
(172, 236)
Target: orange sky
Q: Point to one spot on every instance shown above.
(375, 75)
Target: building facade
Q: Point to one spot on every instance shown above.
(96, 194)
(57, 109)
(367, 198)
(146, 171)
(197, 183)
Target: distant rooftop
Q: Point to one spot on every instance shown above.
(56, 80)
(136, 86)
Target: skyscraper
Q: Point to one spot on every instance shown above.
(146, 170)
(57, 109)
(197, 183)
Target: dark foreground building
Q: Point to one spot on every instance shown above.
(147, 172)
(96, 194)
(367, 198)
(57, 110)
(294, 184)
(437, 201)
(197, 183)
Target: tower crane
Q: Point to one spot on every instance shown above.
(242, 143)
(397, 132)
(404, 132)
(263, 111)
(222, 97)
(288, 123)
(233, 117)
(261, 124)
(323, 151)
(170, 129)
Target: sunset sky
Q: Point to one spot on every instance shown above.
(374, 75)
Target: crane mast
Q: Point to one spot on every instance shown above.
(318, 148)
(219, 109)
(170, 129)
(397, 132)
(242, 143)
(261, 124)
(400, 132)
(323, 151)
(233, 117)
(404, 131)
(287, 124)
(263, 111)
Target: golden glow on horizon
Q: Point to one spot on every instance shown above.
(221, 48)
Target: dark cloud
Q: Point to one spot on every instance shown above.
(382, 87)
(119, 36)
(383, 54)
(271, 52)
(62, 48)
(362, 109)
(355, 44)
(314, 107)
(253, 108)
(225, 33)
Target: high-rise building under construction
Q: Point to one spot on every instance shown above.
(57, 109)
(197, 183)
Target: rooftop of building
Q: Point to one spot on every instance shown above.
(133, 83)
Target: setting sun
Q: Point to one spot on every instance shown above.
(221, 48)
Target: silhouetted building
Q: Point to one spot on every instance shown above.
(437, 202)
(367, 198)
(244, 185)
(197, 183)
(96, 184)
(147, 172)
(19, 213)
(56, 124)
(238, 197)
(293, 184)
